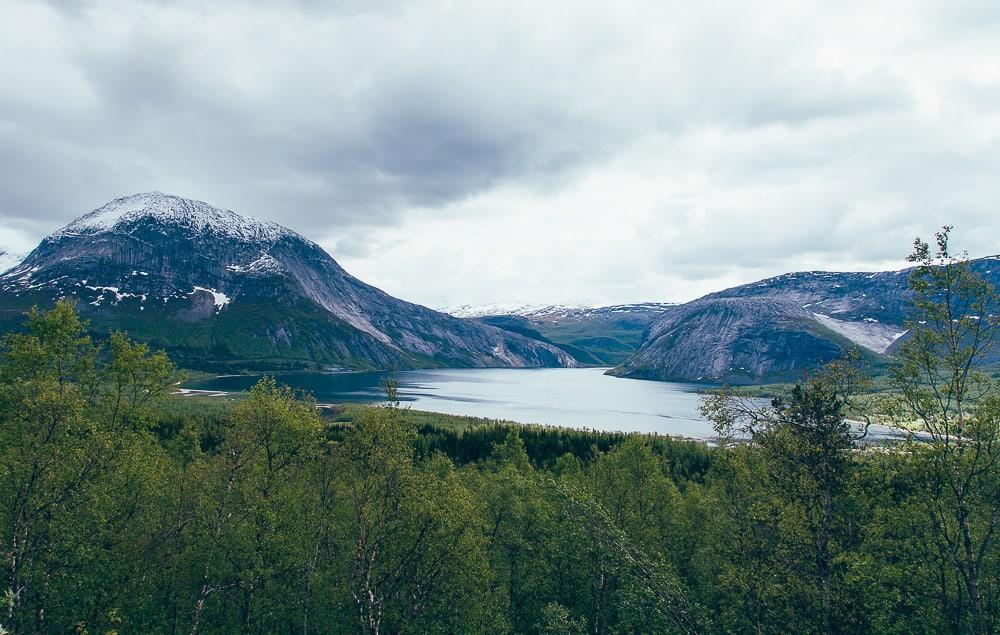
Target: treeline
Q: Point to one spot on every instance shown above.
(119, 516)
(544, 446)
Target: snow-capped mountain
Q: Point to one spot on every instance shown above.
(218, 289)
(197, 216)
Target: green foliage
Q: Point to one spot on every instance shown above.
(595, 339)
(943, 388)
(125, 509)
(79, 469)
(687, 460)
(602, 342)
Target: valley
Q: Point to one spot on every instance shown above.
(225, 293)
(594, 336)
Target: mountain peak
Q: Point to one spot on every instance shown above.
(175, 210)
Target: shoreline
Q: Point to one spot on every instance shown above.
(882, 434)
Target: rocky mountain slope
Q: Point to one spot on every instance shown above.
(600, 336)
(219, 290)
(775, 329)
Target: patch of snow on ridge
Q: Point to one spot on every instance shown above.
(196, 215)
(119, 296)
(872, 335)
(9, 260)
(221, 299)
(118, 293)
(262, 264)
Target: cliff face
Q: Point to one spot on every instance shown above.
(779, 328)
(220, 290)
(735, 340)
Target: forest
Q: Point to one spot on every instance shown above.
(123, 512)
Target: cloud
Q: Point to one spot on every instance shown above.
(477, 152)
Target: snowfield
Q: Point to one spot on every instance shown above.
(868, 333)
(9, 260)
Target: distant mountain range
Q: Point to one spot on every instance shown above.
(520, 309)
(552, 311)
(221, 291)
(598, 336)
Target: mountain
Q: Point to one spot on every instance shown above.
(221, 291)
(775, 329)
(598, 336)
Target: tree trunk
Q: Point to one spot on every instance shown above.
(972, 579)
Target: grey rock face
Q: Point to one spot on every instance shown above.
(735, 340)
(213, 286)
(779, 328)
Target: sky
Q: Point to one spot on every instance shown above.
(462, 152)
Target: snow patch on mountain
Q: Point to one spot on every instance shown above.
(118, 294)
(9, 259)
(221, 299)
(868, 333)
(263, 264)
(102, 291)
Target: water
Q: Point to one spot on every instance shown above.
(583, 398)
(570, 397)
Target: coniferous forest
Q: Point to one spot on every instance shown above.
(122, 512)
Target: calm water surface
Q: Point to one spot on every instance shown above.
(571, 397)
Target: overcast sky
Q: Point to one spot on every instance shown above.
(547, 152)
